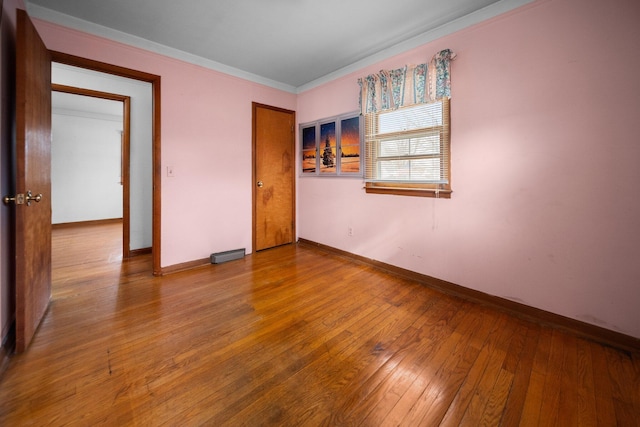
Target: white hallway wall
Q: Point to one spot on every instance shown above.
(85, 166)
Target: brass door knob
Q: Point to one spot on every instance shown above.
(21, 199)
(29, 197)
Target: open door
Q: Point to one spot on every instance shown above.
(33, 181)
(274, 177)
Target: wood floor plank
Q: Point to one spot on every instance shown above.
(520, 364)
(293, 336)
(550, 404)
(535, 390)
(497, 399)
(569, 384)
(605, 409)
(586, 386)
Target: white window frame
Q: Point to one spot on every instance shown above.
(405, 134)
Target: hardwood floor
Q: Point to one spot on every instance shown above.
(294, 336)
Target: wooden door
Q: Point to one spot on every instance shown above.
(274, 177)
(33, 174)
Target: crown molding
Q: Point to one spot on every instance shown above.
(473, 18)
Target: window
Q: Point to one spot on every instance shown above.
(407, 128)
(332, 147)
(407, 150)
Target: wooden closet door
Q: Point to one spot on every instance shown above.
(274, 176)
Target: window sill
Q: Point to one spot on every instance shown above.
(419, 192)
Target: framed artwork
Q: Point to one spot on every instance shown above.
(332, 146)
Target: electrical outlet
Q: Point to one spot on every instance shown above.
(350, 231)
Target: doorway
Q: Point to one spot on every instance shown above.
(90, 158)
(273, 176)
(154, 80)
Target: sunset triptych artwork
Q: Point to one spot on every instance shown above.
(332, 146)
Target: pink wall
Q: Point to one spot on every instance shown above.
(206, 138)
(545, 107)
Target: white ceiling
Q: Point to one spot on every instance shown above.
(289, 44)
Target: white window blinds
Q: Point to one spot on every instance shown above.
(409, 145)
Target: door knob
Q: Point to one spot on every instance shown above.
(259, 184)
(29, 198)
(21, 199)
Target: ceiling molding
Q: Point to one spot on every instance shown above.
(473, 18)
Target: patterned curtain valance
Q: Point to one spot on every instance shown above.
(411, 84)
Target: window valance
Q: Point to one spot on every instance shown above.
(409, 85)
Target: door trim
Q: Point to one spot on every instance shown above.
(76, 61)
(254, 108)
(126, 128)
